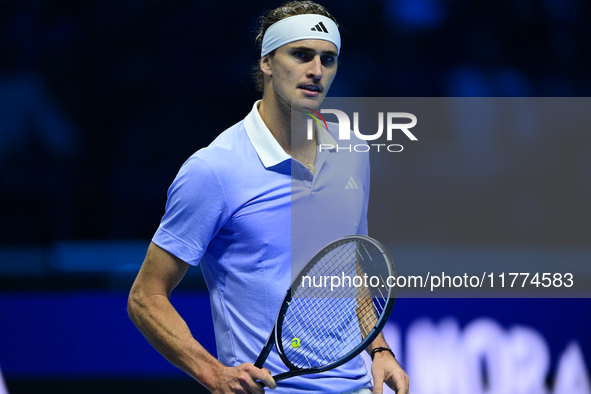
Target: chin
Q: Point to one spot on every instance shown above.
(301, 103)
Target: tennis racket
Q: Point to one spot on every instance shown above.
(320, 325)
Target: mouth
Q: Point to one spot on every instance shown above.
(311, 89)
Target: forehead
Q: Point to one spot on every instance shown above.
(320, 46)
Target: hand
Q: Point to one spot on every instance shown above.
(242, 379)
(385, 369)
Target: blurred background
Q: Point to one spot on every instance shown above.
(102, 102)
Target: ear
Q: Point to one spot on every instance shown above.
(266, 65)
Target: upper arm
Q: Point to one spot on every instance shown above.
(160, 272)
(196, 209)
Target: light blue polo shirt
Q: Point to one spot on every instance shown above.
(244, 210)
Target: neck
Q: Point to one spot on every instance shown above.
(288, 129)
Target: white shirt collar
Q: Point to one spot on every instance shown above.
(267, 147)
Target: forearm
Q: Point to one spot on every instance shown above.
(380, 341)
(386, 369)
(165, 329)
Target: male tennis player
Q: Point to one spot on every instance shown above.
(229, 209)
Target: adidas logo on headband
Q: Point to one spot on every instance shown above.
(300, 27)
(320, 27)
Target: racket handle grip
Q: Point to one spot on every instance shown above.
(265, 352)
(259, 364)
(261, 360)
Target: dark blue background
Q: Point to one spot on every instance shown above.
(100, 103)
(88, 334)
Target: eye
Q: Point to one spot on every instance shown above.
(328, 60)
(300, 54)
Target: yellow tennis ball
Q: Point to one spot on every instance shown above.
(295, 343)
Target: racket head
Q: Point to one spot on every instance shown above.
(330, 325)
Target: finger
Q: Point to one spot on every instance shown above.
(406, 388)
(378, 385)
(269, 382)
(251, 387)
(264, 376)
(266, 370)
(400, 386)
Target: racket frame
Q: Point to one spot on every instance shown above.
(275, 335)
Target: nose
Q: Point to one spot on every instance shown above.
(315, 68)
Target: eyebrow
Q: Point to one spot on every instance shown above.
(308, 49)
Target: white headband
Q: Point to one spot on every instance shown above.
(301, 27)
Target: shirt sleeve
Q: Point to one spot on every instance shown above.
(196, 209)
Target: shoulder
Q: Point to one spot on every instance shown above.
(226, 145)
(229, 150)
(228, 162)
(203, 165)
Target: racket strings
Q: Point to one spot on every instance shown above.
(335, 341)
(299, 329)
(323, 346)
(302, 306)
(331, 322)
